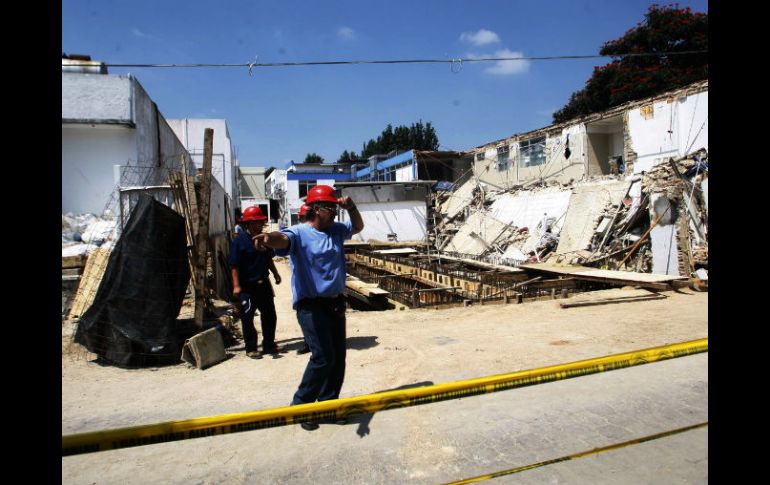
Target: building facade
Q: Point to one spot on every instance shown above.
(631, 138)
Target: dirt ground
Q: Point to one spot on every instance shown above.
(386, 350)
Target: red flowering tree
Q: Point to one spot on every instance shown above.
(627, 78)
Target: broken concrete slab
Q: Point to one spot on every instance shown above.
(585, 206)
(478, 226)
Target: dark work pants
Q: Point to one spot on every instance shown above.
(258, 297)
(323, 325)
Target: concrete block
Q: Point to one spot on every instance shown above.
(204, 349)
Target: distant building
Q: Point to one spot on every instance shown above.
(252, 189)
(302, 176)
(455, 167)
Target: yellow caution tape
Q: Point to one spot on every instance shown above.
(370, 403)
(579, 455)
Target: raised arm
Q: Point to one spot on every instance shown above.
(355, 216)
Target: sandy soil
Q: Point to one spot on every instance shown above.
(386, 350)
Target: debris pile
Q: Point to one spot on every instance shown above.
(656, 222)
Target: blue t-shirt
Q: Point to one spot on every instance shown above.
(252, 265)
(317, 260)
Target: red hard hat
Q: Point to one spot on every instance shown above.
(303, 209)
(253, 213)
(321, 193)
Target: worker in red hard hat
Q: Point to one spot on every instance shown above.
(250, 267)
(318, 286)
(303, 212)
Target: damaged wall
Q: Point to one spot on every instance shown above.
(476, 235)
(670, 127)
(561, 165)
(526, 208)
(586, 204)
(665, 254)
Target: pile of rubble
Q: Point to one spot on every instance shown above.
(656, 222)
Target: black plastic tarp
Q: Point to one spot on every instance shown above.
(132, 321)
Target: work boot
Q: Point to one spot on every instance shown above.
(254, 354)
(304, 350)
(309, 426)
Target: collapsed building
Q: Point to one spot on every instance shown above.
(613, 198)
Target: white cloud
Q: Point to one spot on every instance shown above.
(346, 33)
(143, 35)
(482, 37)
(505, 68)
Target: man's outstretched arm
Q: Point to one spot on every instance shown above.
(275, 240)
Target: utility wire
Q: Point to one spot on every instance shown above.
(251, 65)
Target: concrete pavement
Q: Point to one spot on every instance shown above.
(458, 439)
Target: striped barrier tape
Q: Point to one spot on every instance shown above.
(371, 403)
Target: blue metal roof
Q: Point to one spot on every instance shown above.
(319, 176)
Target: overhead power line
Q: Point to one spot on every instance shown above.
(251, 65)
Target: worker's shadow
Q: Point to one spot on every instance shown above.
(364, 419)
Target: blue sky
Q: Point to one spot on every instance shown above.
(280, 114)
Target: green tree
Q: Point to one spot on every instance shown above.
(417, 137)
(628, 78)
(313, 158)
(348, 157)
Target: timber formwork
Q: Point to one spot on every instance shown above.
(423, 280)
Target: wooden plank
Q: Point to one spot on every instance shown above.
(89, 282)
(203, 227)
(610, 300)
(645, 280)
(77, 261)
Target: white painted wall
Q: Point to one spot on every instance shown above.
(87, 157)
(693, 123)
(292, 195)
(405, 218)
(650, 138)
(405, 174)
(191, 132)
(96, 97)
(106, 121)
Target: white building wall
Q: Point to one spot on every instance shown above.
(405, 174)
(87, 156)
(693, 123)
(666, 132)
(292, 195)
(191, 131)
(96, 97)
(406, 219)
(108, 121)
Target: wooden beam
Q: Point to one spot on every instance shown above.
(203, 227)
(605, 301)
